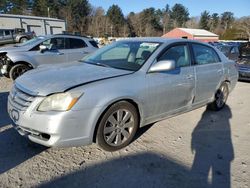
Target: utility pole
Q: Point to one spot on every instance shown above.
(48, 12)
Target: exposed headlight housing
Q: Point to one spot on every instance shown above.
(59, 102)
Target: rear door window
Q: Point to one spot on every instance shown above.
(204, 54)
(77, 43)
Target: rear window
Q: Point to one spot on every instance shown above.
(93, 43)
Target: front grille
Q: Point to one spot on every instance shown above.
(19, 99)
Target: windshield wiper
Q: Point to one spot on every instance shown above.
(96, 63)
(101, 64)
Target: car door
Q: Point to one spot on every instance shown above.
(8, 36)
(76, 49)
(56, 52)
(209, 72)
(171, 91)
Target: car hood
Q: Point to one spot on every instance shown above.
(54, 79)
(14, 49)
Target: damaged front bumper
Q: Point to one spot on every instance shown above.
(4, 64)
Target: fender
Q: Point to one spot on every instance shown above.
(18, 57)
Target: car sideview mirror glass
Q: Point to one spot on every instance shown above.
(160, 66)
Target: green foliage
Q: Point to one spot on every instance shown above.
(179, 14)
(83, 18)
(215, 19)
(227, 19)
(40, 8)
(230, 34)
(204, 20)
(116, 17)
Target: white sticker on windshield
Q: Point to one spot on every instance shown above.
(149, 45)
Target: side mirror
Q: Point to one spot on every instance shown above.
(43, 48)
(161, 66)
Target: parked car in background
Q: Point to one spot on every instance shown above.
(230, 51)
(42, 50)
(244, 62)
(17, 35)
(117, 89)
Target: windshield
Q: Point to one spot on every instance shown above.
(30, 42)
(127, 55)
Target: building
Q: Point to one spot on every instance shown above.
(40, 25)
(193, 34)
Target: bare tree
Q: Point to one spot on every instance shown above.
(244, 27)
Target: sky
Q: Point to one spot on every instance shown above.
(238, 7)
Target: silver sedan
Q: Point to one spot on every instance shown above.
(117, 89)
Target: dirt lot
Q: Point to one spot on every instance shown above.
(196, 149)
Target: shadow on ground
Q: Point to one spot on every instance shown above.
(211, 142)
(141, 170)
(4, 117)
(15, 149)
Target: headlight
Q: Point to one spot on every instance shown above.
(59, 102)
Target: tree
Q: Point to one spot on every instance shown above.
(214, 22)
(77, 13)
(117, 20)
(243, 26)
(14, 6)
(204, 20)
(40, 8)
(227, 19)
(3, 6)
(166, 20)
(193, 22)
(150, 20)
(180, 15)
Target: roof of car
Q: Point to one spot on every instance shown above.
(65, 35)
(160, 39)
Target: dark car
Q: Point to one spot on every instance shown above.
(244, 62)
(231, 51)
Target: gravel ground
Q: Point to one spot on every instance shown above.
(196, 149)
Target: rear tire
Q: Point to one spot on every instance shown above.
(118, 126)
(18, 70)
(221, 96)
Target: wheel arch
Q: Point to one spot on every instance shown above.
(24, 63)
(129, 100)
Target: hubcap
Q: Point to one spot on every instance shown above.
(118, 127)
(221, 96)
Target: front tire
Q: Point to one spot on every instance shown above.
(220, 98)
(18, 70)
(23, 39)
(117, 126)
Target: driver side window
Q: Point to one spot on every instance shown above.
(179, 54)
(58, 43)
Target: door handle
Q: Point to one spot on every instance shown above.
(59, 53)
